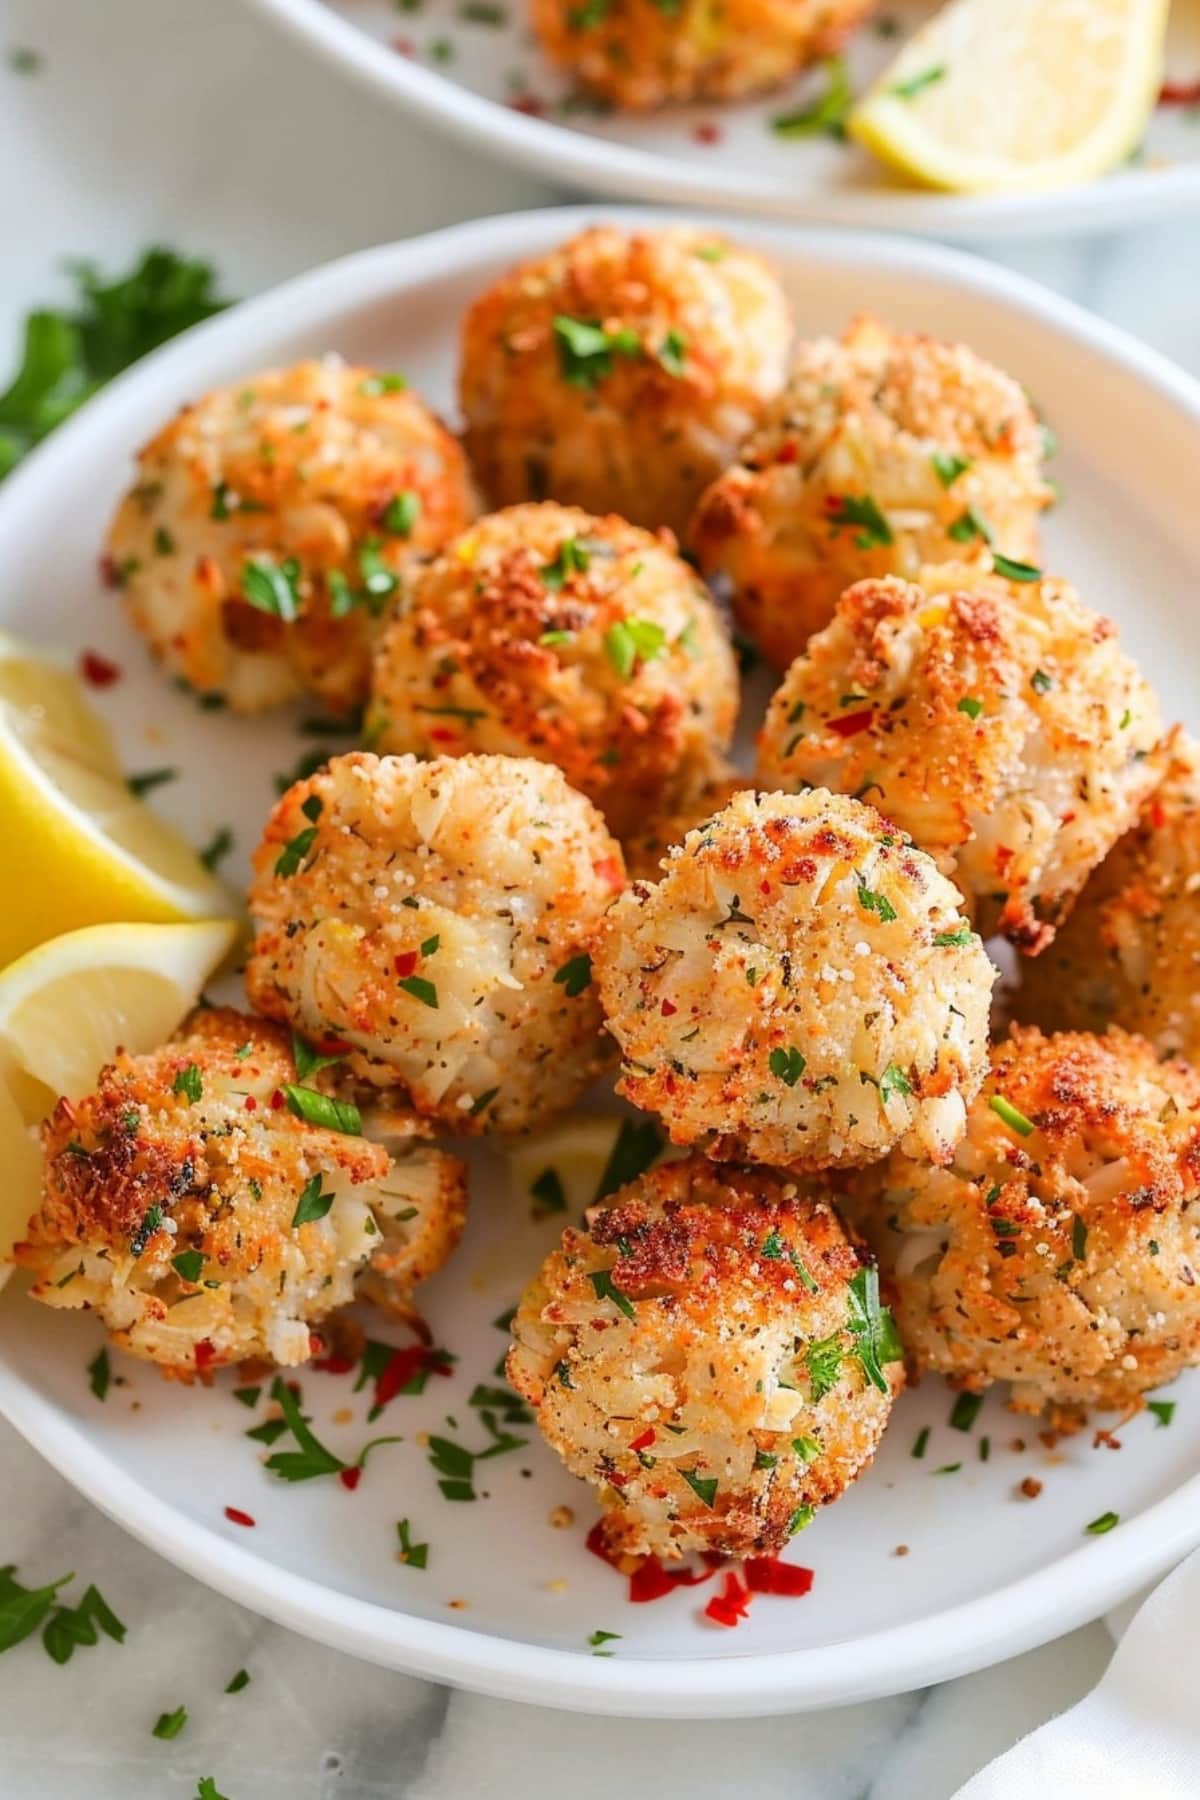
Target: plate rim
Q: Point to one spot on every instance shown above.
(1067, 1591)
(596, 164)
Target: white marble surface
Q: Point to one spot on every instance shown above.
(188, 121)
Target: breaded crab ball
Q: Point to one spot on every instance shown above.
(435, 920)
(799, 988)
(638, 54)
(1061, 1252)
(710, 1352)
(271, 523)
(1130, 952)
(585, 642)
(1001, 725)
(620, 371)
(210, 1205)
(885, 451)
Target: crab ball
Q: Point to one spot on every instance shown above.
(1060, 1252)
(638, 54)
(710, 1352)
(1130, 952)
(620, 371)
(210, 1206)
(798, 989)
(271, 522)
(1001, 725)
(660, 831)
(585, 642)
(435, 920)
(885, 451)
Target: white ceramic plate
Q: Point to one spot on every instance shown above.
(986, 1574)
(472, 78)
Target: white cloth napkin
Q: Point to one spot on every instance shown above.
(1137, 1734)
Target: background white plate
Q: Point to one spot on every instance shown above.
(491, 69)
(986, 1574)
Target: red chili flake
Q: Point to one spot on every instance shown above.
(1158, 815)
(442, 734)
(706, 132)
(596, 1542)
(644, 1442)
(609, 870)
(668, 1010)
(788, 453)
(236, 1516)
(110, 574)
(850, 724)
(206, 1353)
(350, 1478)
(333, 1047)
(618, 1481)
(277, 1100)
(405, 964)
(767, 1575)
(400, 1368)
(249, 1104)
(335, 1365)
(529, 104)
(97, 670)
(731, 1605)
(1179, 93)
(404, 46)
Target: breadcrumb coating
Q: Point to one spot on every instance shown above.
(660, 831)
(188, 1203)
(585, 642)
(620, 371)
(639, 54)
(709, 1353)
(1060, 1252)
(272, 521)
(798, 989)
(886, 450)
(1130, 952)
(1002, 725)
(437, 919)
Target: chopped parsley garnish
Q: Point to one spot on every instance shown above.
(861, 511)
(415, 1555)
(237, 1682)
(803, 1515)
(218, 847)
(295, 851)
(169, 1725)
(67, 355)
(23, 1610)
(573, 558)
(920, 1443)
(773, 1247)
(1079, 1238)
(824, 115)
(947, 940)
(638, 1142)
(601, 1280)
(574, 976)
(970, 706)
(596, 1638)
(312, 1458)
(763, 1459)
(1040, 682)
(99, 1374)
(823, 1360)
(1163, 1410)
(146, 783)
(309, 1061)
(704, 1487)
(879, 904)
(1012, 1116)
(454, 1464)
(948, 467)
(965, 1411)
(483, 1101)
(968, 526)
(421, 990)
(402, 512)
(382, 384)
(247, 1396)
(152, 1218)
(787, 1065)
(551, 639)
(188, 1083)
(893, 1081)
(672, 354)
(313, 1203)
(320, 1109)
(272, 587)
(549, 1193)
(586, 349)
(806, 1448)
(1014, 571)
(916, 84)
(627, 640)
(871, 1325)
(188, 1264)
(1104, 1523)
(948, 1469)
(206, 1789)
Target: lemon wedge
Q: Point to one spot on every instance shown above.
(65, 1007)
(78, 848)
(1003, 95)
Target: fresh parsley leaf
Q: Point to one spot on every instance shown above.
(946, 940)
(1012, 1116)
(415, 1555)
(574, 976)
(823, 1360)
(295, 851)
(788, 1065)
(871, 1326)
(627, 640)
(1104, 1523)
(916, 84)
(549, 1193)
(704, 1487)
(321, 1109)
(421, 990)
(573, 558)
(169, 1725)
(219, 846)
(601, 1280)
(188, 1083)
(309, 1061)
(99, 1374)
(672, 354)
(970, 706)
(893, 1081)
(402, 512)
(860, 510)
(1163, 1410)
(637, 1143)
(948, 467)
(139, 785)
(272, 587)
(826, 114)
(313, 1203)
(586, 349)
(206, 1789)
(188, 1264)
(965, 1411)
(1013, 570)
(879, 904)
